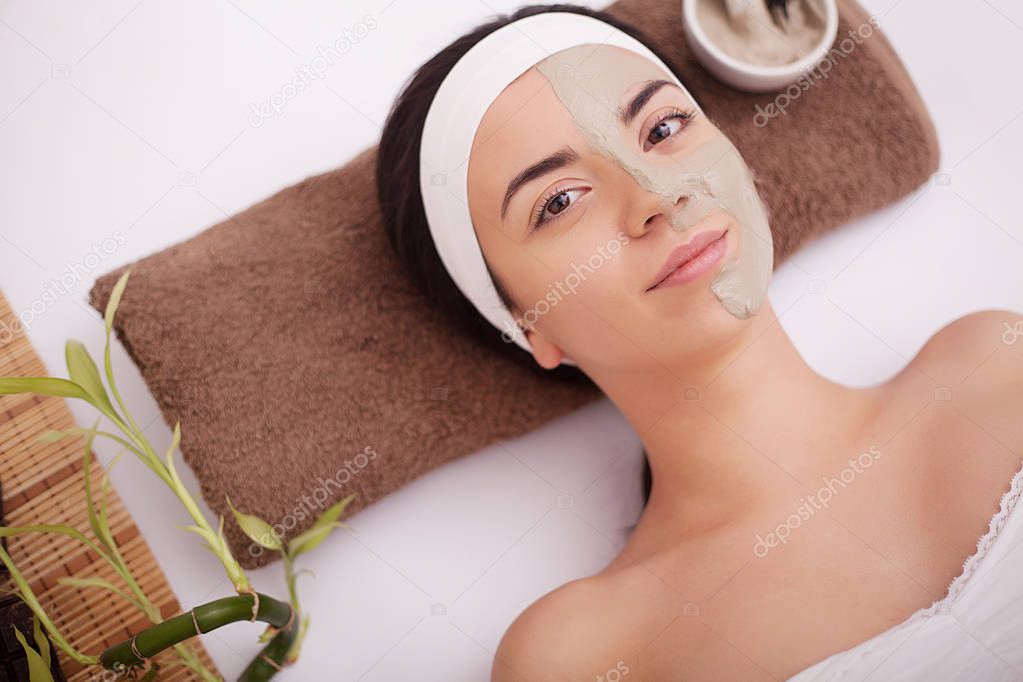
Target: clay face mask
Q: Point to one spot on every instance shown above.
(755, 37)
(592, 82)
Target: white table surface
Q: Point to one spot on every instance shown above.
(130, 122)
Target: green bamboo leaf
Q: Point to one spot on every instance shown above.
(41, 643)
(61, 529)
(37, 670)
(258, 530)
(24, 591)
(332, 512)
(224, 555)
(105, 480)
(203, 533)
(95, 581)
(169, 456)
(52, 386)
(320, 529)
(310, 539)
(210, 543)
(108, 316)
(217, 546)
(115, 299)
(104, 483)
(83, 371)
(175, 442)
(52, 436)
(211, 550)
(100, 530)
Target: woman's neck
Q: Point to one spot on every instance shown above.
(747, 424)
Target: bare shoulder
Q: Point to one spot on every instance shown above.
(970, 347)
(558, 637)
(974, 365)
(601, 627)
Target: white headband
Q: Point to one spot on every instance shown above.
(467, 91)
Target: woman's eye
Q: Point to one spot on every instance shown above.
(668, 126)
(553, 207)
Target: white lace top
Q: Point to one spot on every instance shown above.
(974, 632)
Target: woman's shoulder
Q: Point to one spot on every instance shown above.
(585, 628)
(554, 638)
(981, 348)
(972, 372)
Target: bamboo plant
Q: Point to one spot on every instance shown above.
(286, 624)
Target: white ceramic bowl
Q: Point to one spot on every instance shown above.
(754, 77)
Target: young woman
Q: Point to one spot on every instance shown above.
(795, 527)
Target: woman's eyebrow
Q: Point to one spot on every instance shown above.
(627, 113)
(548, 164)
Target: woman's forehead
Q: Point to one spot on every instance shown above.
(526, 122)
(526, 111)
(529, 119)
(532, 96)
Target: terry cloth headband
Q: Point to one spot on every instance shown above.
(466, 92)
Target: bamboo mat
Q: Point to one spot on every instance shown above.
(42, 483)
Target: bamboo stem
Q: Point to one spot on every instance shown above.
(272, 659)
(199, 620)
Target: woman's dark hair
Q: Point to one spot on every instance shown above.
(401, 203)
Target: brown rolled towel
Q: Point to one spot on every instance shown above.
(303, 366)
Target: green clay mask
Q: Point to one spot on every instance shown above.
(592, 82)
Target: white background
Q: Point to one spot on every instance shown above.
(134, 118)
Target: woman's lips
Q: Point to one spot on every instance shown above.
(689, 261)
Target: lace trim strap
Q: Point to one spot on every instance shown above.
(995, 525)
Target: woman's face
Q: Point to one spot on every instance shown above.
(580, 240)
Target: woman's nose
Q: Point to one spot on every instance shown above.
(640, 209)
(650, 211)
